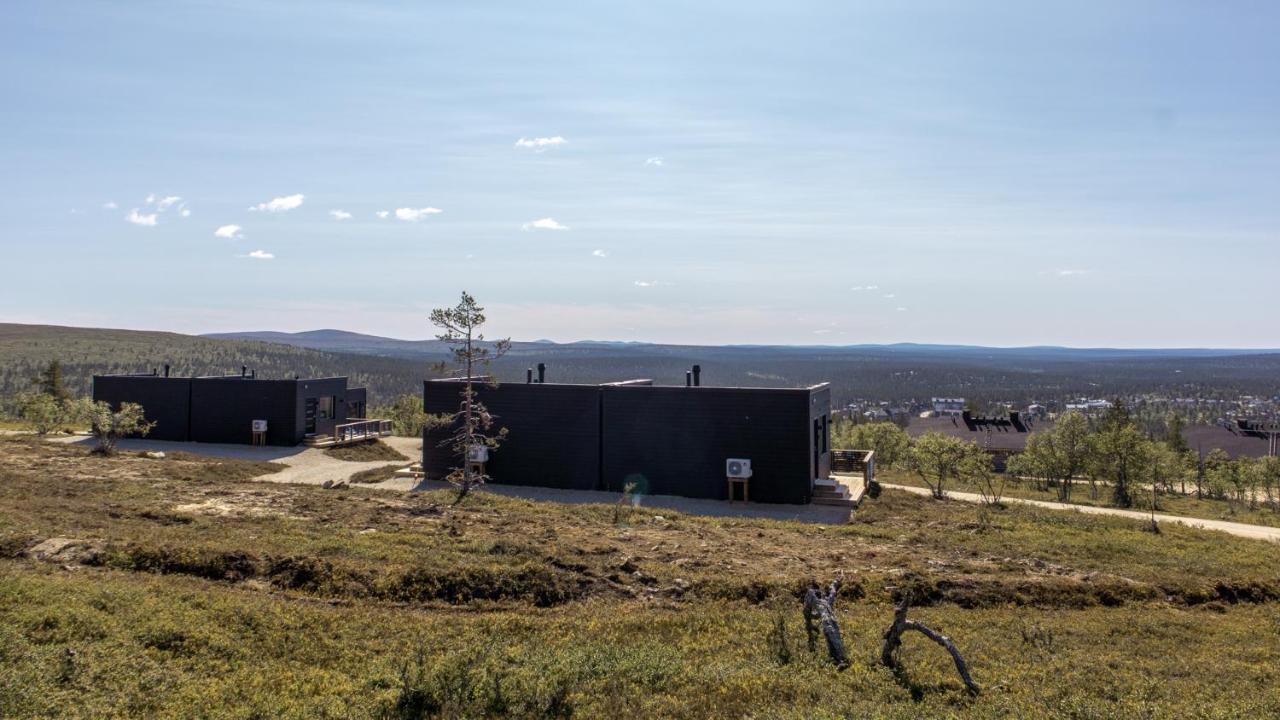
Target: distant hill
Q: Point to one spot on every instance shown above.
(876, 371)
(389, 367)
(84, 352)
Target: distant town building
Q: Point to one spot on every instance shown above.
(1085, 405)
(948, 407)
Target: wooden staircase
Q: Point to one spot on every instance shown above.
(832, 492)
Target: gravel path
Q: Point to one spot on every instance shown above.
(820, 514)
(309, 466)
(312, 467)
(1245, 530)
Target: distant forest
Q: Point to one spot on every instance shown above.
(390, 367)
(25, 349)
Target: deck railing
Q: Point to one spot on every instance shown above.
(855, 462)
(361, 430)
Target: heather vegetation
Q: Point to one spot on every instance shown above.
(179, 583)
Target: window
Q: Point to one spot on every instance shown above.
(325, 409)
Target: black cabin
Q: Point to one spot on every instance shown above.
(669, 440)
(223, 408)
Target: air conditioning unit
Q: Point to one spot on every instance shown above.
(478, 454)
(737, 468)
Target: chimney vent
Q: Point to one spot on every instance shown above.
(688, 378)
(542, 373)
(697, 375)
(528, 376)
(166, 371)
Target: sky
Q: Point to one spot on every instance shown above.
(995, 173)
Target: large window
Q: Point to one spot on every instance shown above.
(325, 408)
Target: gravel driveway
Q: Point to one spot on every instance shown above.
(309, 466)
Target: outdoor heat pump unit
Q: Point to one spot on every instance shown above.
(737, 468)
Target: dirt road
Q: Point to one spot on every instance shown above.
(1256, 532)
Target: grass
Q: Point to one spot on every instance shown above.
(1171, 504)
(365, 452)
(373, 475)
(195, 587)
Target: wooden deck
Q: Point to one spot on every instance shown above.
(351, 433)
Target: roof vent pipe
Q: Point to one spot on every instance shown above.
(697, 375)
(166, 371)
(688, 378)
(528, 376)
(542, 373)
(244, 370)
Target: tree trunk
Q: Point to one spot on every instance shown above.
(821, 607)
(893, 640)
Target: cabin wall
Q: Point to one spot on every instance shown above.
(223, 410)
(669, 440)
(165, 401)
(553, 433)
(675, 441)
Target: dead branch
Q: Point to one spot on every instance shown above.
(893, 640)
(821, 607)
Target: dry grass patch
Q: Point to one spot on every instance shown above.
(366, 452)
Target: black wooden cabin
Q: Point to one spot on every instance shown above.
(669, 440)
(222, 408)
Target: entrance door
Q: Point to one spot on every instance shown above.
(310, 415)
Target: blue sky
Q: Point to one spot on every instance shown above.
(1011, 173)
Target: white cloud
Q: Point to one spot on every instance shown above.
(109, 205)
(340, 214)
(655, 161)
(902, 309)
(890, 296)
(280, 204)
(649, 283)
(185, 212)
(229, 232)
(416, 214)
(858, 288)
(599, 253)
(540, 143)
(382, 214)
(138, 218)
(1069, 273)
(163, 203)
(544, 224)
(259, 255)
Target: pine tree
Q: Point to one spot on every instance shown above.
(460, 327)
(50, 381)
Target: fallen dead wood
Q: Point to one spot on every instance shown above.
(820, 607)
(893, 640)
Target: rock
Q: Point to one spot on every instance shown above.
(157, 455)
(327, 484)
(65, 550)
